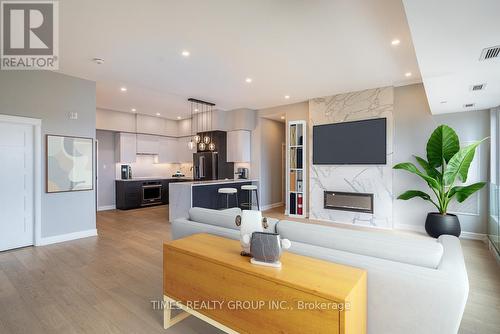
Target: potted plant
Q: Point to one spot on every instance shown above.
(446, 162)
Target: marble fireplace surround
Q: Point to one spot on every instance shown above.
(373, 179)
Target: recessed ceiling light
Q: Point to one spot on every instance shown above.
(123, 89)
(179, 117)
(287, 97)
(195, 109)
(282, 117)
(395, 42)
(248, 80)
(133, 110)
(408, 74)
(158, 114)
(98, 61)
(186, 53)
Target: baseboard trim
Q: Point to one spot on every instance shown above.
(271, 206)
(106, 207)
(473, 236)
(67, 237)
(464, 235)
(493, 250)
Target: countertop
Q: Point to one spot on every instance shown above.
(202, 183)
(156, 178)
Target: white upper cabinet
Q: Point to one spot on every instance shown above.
(147, 144)
(238, 146)
(184, 154)
(167, 150)
(125, 147)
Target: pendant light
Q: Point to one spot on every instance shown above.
(211, 146)
(197, 137)
(191, 144)
(202, 109)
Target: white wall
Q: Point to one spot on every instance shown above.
(413, 125)
(115, 120)
(51, 96)
(238, 119)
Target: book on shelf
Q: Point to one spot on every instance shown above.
(299, 204)
(292, 203)
(293, 158)
(293, 135)
(299, 157)
(293, 181)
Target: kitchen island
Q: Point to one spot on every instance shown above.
(203, 194)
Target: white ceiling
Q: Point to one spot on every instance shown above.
(304, 49)
(449, 36)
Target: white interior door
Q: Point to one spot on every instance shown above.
(16, 185)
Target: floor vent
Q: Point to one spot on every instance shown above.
(489, 53)
(478, 87)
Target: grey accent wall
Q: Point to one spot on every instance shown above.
(106, 169)
(51, 96)
(413, 125)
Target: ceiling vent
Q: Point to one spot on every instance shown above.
(489, 53)
(478, 87)
(469, 105)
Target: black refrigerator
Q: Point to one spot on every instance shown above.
(205, 165)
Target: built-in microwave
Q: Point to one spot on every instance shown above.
(151, 193)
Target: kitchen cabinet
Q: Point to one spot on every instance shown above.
(238, 146)
(184, 154)
(129, 192)
(125, 147)
(167, 150)
(147, 144)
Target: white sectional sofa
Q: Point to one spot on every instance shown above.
(415, 285)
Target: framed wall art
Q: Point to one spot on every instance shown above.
(69, 164)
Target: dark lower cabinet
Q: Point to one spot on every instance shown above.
(129, 192)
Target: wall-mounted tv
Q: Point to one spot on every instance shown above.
(351, 143)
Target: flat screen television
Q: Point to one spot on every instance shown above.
(351, 143)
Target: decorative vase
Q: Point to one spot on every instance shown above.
(438, 224)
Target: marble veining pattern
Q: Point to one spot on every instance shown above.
(376, 179)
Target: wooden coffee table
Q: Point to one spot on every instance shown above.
(206, 277)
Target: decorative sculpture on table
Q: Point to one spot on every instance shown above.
(265, 248)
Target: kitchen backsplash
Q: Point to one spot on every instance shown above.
(145, 166)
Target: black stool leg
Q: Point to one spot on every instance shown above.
(257, 197)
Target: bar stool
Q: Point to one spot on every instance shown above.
(229, 192)
(250, 188)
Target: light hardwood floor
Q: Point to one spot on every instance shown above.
(105, 284)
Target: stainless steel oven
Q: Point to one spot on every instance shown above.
(151, 193)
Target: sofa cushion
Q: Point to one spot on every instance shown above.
(424, 252)
(223, 218)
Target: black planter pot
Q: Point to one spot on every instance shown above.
(437, 224)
